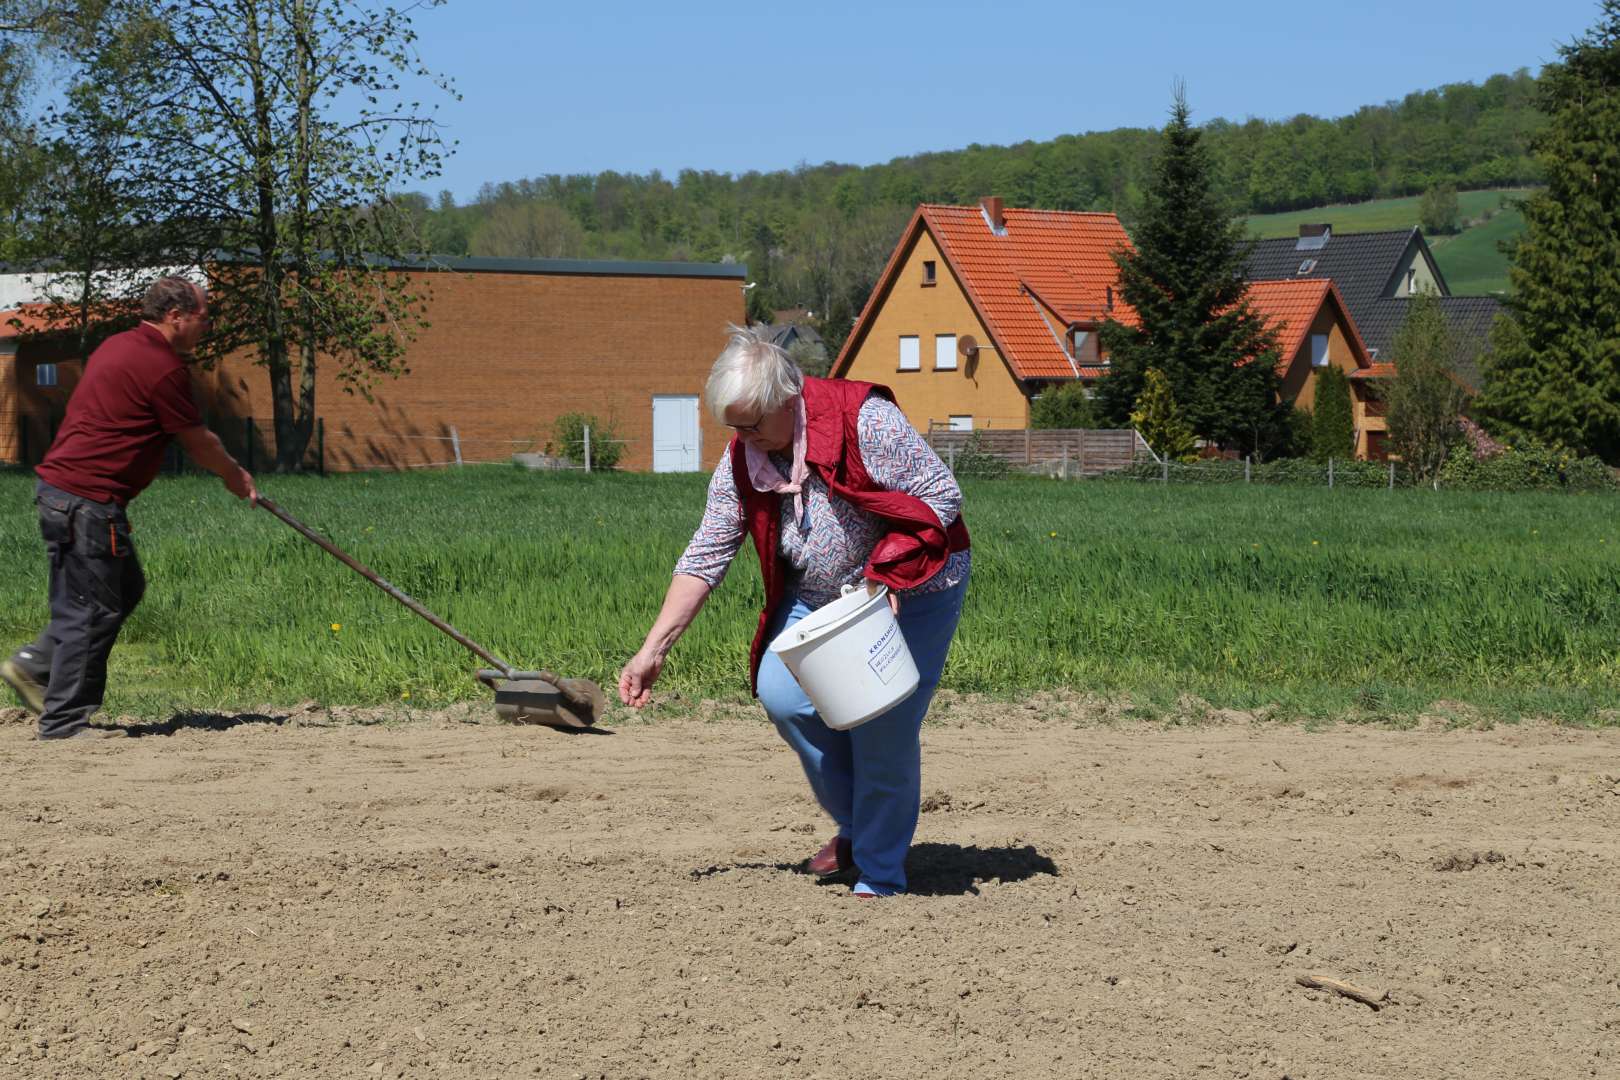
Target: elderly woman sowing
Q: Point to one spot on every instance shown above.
(835, 486)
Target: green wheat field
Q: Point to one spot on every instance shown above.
(1302, 603)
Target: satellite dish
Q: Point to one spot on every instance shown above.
(967, 346)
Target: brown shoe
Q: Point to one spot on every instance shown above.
(838, 855)
(28, 688)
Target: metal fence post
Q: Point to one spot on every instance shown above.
(247, 441)
(1082, 449)
(1164, 469)
(950, 459)
(320, 445)
(455, 442)
(1248, 461)
(1330, 474)
(1065, 473)
(1392, 476)
(587, 447)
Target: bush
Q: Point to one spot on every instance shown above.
(568, 440)
(1065, 407)
(1589, 474)
(1526, 467)
(977, 462)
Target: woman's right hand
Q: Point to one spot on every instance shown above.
(637, 678)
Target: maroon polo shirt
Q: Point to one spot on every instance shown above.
(134, 396)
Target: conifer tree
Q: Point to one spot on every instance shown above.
(1333, 424)
(1185, 281)
(1558, 376)
(1157, 417)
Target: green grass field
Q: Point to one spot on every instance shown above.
(1470, 260)
(1363, 604)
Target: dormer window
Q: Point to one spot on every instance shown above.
(1307, 266)
(928, 272)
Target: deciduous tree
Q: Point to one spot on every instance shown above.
(263, 139)
(1425, 401)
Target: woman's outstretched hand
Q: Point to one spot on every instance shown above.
(637, 678)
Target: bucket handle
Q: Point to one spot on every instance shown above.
(845, 590)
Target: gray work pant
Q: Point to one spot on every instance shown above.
(96, 582)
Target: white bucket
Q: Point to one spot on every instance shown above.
(850, 658)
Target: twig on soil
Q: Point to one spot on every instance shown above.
(1279, 764)
(1373, 999)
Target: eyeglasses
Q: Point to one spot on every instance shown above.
(747, 429)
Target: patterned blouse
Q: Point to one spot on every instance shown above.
(829, 547)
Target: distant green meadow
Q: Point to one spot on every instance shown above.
(1301, 603)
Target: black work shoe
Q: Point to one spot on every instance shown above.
(28, 688)
(88, 733)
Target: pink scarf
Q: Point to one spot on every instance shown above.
(767, 477)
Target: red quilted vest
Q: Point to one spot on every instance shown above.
(915, 548)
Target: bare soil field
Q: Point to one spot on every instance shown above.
(290, 895)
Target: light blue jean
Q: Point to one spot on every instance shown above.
(868, 779)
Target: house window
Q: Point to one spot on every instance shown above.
(910, 353)
(45, 375)
(944, 352)
(1077, 343)
(928, 272)
(961, 423)
(1319, 350)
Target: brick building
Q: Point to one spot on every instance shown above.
(511, 345)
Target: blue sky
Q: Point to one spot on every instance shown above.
(636, 86)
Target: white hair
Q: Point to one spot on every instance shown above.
(753, 372)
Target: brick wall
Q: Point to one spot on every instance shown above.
(506, 354)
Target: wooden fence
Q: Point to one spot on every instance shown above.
(1058, 451)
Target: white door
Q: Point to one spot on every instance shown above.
(675, 434)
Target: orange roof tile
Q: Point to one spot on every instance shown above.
(1291, 306)
(1057, 258)
(1375, 371)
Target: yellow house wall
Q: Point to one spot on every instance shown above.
(1299, 378)
(983, 388)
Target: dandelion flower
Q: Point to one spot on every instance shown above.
(406, 696)
(1316, 543)
(336, 627)
(1052, 535)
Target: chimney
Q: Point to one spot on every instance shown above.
(992, 207)
(1322, 229)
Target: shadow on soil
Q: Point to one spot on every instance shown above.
(934, 869)
(201, 721)
(955, 870)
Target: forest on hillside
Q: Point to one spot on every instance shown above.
(817, 236)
